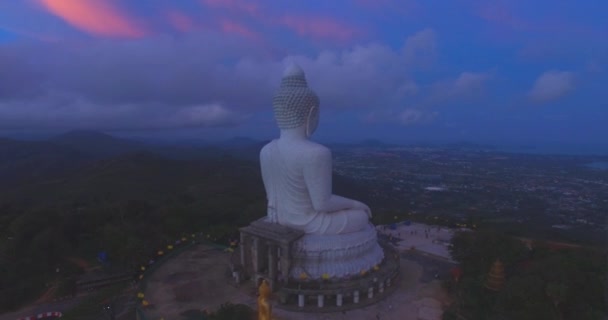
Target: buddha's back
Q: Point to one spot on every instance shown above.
(282, 164)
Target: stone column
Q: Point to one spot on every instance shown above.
(256, 253)
(370, 292)
(320, 300)
(300, 300)
(285, 261)
(381, 287)
(272, 264)
(339, 300)
(356, 296)
(243, 250)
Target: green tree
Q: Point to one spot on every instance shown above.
(229, 311)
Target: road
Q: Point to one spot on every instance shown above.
(62, 306)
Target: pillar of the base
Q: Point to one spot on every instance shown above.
(242, 245)
(320, 300)
(272, 264)
(285, 261)
(381, 287)
(256, 254)
(370, 292)
(356, 296)
(339, 300)
(300, 300)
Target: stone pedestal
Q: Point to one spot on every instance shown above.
(336, 255)
(260, 243)
(309, 296)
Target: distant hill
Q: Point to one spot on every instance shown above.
(238, 142)
(97, 144)
(71, 154)
(369, 143)
(142, 175)
(22, 161)
(247, 149)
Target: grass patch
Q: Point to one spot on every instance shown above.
(92, 306)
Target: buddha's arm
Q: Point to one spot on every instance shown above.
(265, 169)
(317, 176)
(266, 177)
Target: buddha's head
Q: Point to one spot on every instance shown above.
(296, 106)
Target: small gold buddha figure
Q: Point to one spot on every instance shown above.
(264, 307)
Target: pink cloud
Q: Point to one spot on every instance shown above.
(97, 17)
(500, 14)
(245, 6)
(319, 28)
(232, 27)
(407, 7)
(180, 21)
(373, 3)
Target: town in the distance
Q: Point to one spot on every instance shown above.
(550, 196)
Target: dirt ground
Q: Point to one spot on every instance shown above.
(197, 280)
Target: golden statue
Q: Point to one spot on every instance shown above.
(496, 277)
(264, 307)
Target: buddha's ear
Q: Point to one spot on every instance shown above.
(312, 120)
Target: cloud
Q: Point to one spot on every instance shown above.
(180, 21)
(594, 66)
(241, 6)
(137, 83)
(411, 116)
(320, 28)
(421, 47)
(404, 117)
(60, 111)
(552, 85)
(232, 27)
(97, 17)
(467, 85)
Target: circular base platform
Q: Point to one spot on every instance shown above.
(343, 294)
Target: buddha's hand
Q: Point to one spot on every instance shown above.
(362, 206)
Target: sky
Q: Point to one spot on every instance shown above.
(514, 71)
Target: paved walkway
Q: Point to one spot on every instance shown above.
(432, 240)
(197, 280)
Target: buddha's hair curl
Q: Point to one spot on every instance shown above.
(293, 101)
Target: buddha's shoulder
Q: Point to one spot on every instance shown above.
(314, 150)
(268, 146)
(318, 148)
(301, 149)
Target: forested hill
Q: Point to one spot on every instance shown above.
(126, 205)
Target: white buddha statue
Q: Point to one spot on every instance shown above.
(339, 240)
(297, 172)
